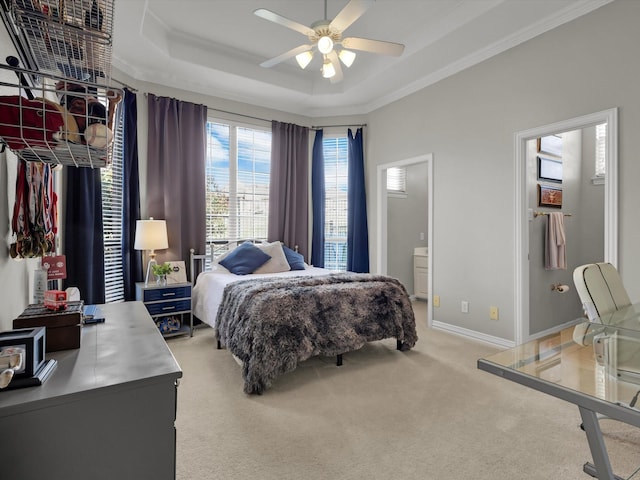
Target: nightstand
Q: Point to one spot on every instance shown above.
(167, 301)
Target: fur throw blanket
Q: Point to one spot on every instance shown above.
(273, 324)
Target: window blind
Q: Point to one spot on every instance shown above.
(112, 190)
(336, 173)
(237, 173)
(397, 179)
(601, 150)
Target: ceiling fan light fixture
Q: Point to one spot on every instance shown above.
(325, 45)
(304, 59)
(347, 57)
(328, 70)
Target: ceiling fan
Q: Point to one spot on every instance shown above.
(325, 36)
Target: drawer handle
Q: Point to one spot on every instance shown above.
(164, 309)
(169, 294)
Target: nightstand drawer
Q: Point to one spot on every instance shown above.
(166, 293)
(168, 307)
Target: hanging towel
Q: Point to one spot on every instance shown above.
(555, 242)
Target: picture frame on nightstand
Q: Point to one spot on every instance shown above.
(178, 273)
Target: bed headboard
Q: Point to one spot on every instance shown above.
(199, 262)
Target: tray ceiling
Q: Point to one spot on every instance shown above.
(215, 47)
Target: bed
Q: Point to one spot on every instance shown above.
(273, 320)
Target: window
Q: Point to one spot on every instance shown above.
(397, 180)
(601, 150)
(112, 191)
(238, 165)
(335, 178)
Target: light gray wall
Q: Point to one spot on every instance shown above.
(548, 308)
(406, 220)
(468, 122)
(591, 221)
(14, 274)
(584, 230)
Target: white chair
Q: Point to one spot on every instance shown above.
(601, 292)
(600, 289)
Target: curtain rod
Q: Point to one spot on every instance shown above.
(316, 127)
(131, 89)
(313, 127)
(239, 114)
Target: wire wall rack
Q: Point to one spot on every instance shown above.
(61, 109)
(60, 121)
(66, 37)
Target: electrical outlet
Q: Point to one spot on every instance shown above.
(464, 306)
(436, 300)
(493, 313)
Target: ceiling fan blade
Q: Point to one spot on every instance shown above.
(285, 56)
(274, 17)
(349, 14)
(374, 46)
(333, 56)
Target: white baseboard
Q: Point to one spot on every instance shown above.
(471, 334)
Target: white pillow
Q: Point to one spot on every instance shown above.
(278, 262)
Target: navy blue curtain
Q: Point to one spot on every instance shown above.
(318, 201)
(357, 230)
(83, 233)
(131, 258)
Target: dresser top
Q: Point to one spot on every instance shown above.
(124, 352)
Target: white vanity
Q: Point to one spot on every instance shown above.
(421, 272)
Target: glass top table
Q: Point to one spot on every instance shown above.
(595, 366)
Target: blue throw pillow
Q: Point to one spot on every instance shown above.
(244, 259)
(296, 260)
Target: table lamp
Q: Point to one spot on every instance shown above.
(151, 235)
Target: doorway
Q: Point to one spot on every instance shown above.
(382, 215)
(525, 214)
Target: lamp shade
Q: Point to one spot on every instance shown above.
(151, 235)
(328, 70)
(347, 57)
(304, 58)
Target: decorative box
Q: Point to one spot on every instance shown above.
(32, 341)
(63, 326)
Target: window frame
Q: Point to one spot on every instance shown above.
(112, 216)
(600, 153)
(218, 246)
(339, 241)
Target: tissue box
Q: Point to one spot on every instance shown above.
(63, 326)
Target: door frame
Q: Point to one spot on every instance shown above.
(381, 230)
(610, 116)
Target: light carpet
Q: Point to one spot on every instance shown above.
(424, 414)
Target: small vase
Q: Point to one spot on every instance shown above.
(161, 280)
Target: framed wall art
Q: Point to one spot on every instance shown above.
(549, 196)
(549, 169)
(551, 144)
